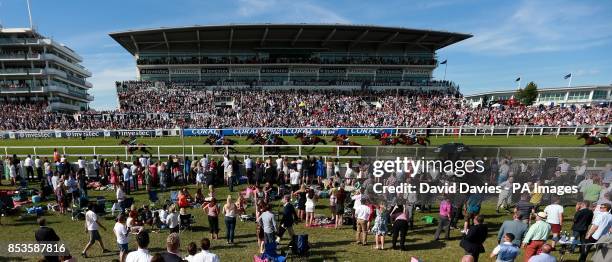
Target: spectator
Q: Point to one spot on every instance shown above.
(288, 219)
(46, 234)
(475, 237)
(231, 211)
(212, 211)
(205, 255)
(192, 250)
(173, 244)
(121, 233)
(602, 222)
(554, 217)
(516, 227)
(445, 217)
(267, 222)
(142, 254)
(544, 256)
(91, 225)
(582, 220)
(506, 251)
(362, 212)
(536, 236)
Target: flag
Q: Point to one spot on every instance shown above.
(443, 62)
(518, 79)
(567, 76)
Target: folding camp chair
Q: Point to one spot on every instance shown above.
(174, 197)
(185, 222)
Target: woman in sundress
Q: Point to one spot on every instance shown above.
(380, 226)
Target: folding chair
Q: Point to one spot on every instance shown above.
(174, 197)
(185, 222)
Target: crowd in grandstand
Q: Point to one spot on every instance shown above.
(142, 104)
(370, 60)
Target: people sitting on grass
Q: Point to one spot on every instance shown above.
(172, 220)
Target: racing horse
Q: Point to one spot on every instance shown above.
(137, 147)
(350, 146)
(390, 141)
(420, 140)
(589, 140)
(310, 140)
(212, 140)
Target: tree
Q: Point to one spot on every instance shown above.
(527, 95)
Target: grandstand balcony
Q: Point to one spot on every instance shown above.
(73, 66)
(20, 90)
(19, 41)
(20, 57)
(69, 92)
(59, 106)
(21, 71)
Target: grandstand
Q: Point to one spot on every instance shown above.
(597, 95)
(41, 72)
(290, 56)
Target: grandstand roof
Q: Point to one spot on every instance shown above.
(284, 36)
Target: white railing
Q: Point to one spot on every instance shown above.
(597, 156)
(325, 131)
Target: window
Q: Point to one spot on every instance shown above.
(600, 94)
(552, 96)
(579, 95)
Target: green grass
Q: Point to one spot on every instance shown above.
(328, 244)
(562, 146)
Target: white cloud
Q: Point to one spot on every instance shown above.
(104, 89)
(542, 26)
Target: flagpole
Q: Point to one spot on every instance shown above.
(30, 15)
(569, 84)
(519, 84)
(445, 66)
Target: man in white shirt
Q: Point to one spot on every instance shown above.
(248, 165)
(204, 162)
(27, 164)
(55, 181)
(96, 166)
(554, 217)
(279, 164)
(564, 168)
(144, 161)
(91, 225)
(142, 254)
(362, 213)
(38, 164)
(602, 221)
(121, 233)
(227, 169)
(205, 255)
(294, 179)
(126, 178)
(81, 164)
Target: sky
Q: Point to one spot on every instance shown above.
(539, 41)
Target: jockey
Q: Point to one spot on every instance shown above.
(412, 135)
(132, 140)
(346, 140)
(385, 135)
(219, 140)
(595, 133)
